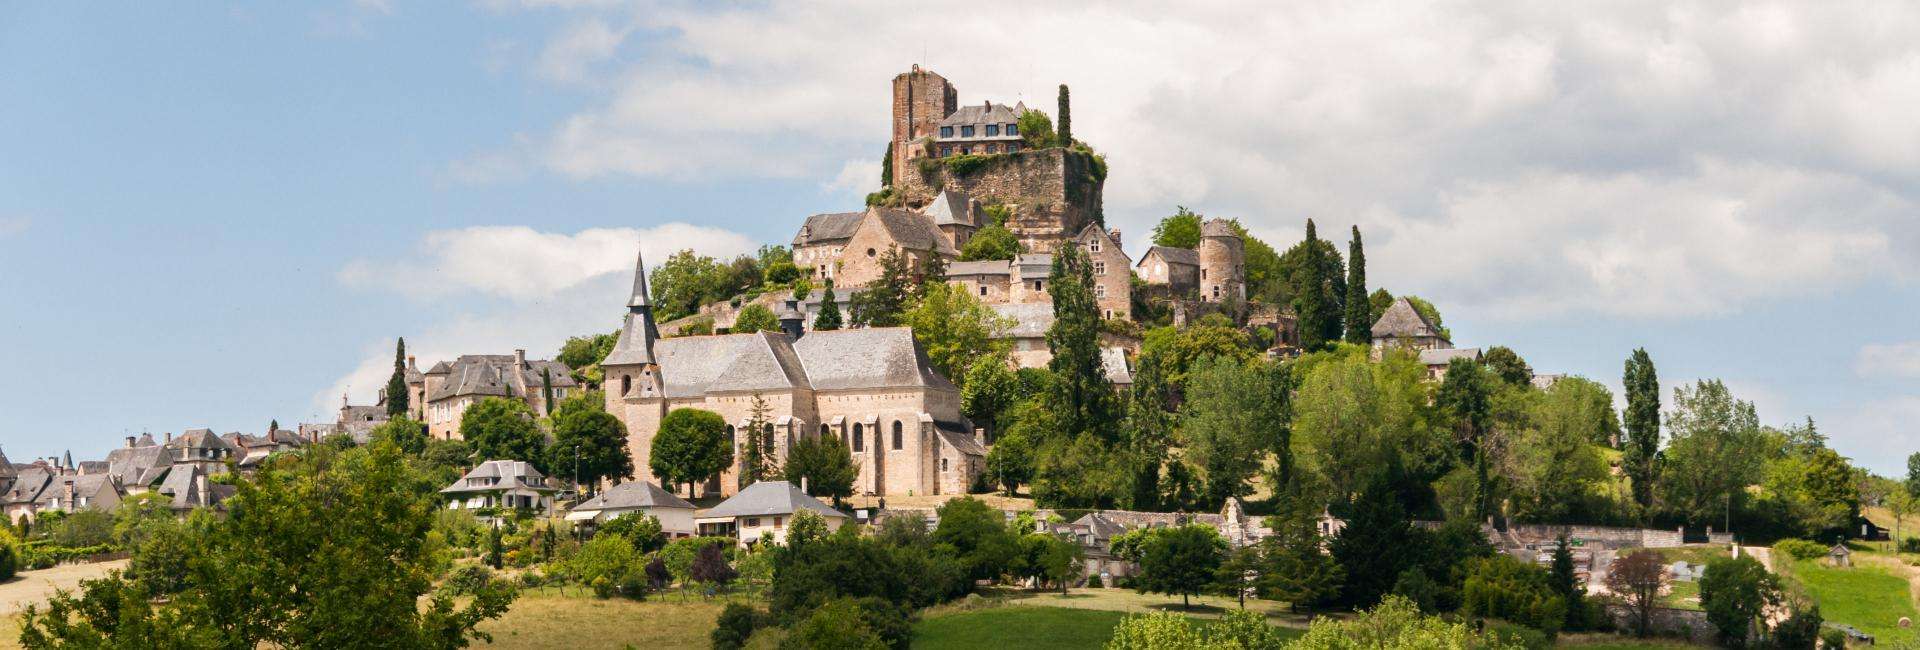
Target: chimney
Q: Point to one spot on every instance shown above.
(412, 366)
(803, 485)
(70, 494)
(520, 358)
(129, 442)
(169, 436)
(1115, 234)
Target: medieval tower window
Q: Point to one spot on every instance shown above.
(897, 438)
(859, 440)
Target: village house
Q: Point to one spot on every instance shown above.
(1213, 271)
(764, 509)
(872, 388)
(451, 387)
(500, 484)
(1403, 327)
(980, 130)
(847, 247)
(638, 498)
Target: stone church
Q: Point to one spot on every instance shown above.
(872, 388)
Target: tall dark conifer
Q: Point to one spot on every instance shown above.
(1359, 325)
(1642, 424)
(829, 317)
(1083, 396)
(1310, 299)
(397, 384)
(1065, 129)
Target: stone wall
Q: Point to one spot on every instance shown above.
(1686, 624)
(1053, 192)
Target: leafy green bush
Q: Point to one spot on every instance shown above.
(1503, 587)
(1800, 549)
(1170, 631)
(466, 580)
(9, 556)
(968, 164)
(737, 623)
(1910, 545)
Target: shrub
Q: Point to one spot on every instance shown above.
(737, 623)
(835, 624)
(1169, 631)
(9, 556)
(1800, 549)
(1800, 631)
(1503, 587)
(467, 580)
(1093, 582)
(1833, 638)
(1910, 545)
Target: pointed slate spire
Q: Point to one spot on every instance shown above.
(639, 299)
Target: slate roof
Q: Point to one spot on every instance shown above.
(985, 267)
(951, 208)
(1171, 255)
(1401, 320)
(961, 440)
(769, 498)
(634, 494)
(7, 469)
(1218, 228)
(84, 485)
(512, 474)
(198, 439)
(832, 227)
(1444, 356)
(912, 230)
(871, 357)
(1114, 359)
(180, 484)
(1102, 527)
(92, 466)
(28, 485)
(1033, 265)
(631, 347)
(375, 413)
(980, 115)
(492, 375)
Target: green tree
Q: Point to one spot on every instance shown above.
(1913, 474)
(1466, 399)
(1179, 348)
(1083, 398)
(978, 535)
(1816, 490)
(825, 464)
(1180, 230)
(1556, 467)
(1372, 545)
(340, 536)
(956, 329)
(1377, 304)
(836, 624)
(1036, 130)
(1358, 316)
(1010, 462)
(504, 429)
(1353, 419)
(1507, 366)
(692, 446)
(584, 353)
(410, 436)
(991, 242)
(589, 441)
(397, 383)
(884, 302)
(1066, 118)
(1226, 428)
(991, 390)
(684, 282)
(1712, 457)
(1642, 425)
(1313, 275)
(828, 318)
(1736, 592)
(1506, 588)
(1181, 560)
(546, 390)
(1298, 569)
(1567, 583)
(1149, 431)
(754, 318)
(1048, 560)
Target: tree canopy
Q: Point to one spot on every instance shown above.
(498, 428)
(692, 446)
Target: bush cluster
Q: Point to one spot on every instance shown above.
(1800, 549)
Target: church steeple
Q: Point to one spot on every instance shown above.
(640, 302)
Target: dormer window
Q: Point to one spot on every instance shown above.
(966, 131)
(1013, 129)
(946, 132)
(993, 130)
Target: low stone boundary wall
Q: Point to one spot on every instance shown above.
(1688, 624)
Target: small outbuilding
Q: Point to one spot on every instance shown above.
(1840, 555)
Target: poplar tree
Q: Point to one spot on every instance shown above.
(1359, 325)
(1083, 397)
(397, 384)
(1065, 130)
(546, 389)
(1642, 424)
(829, 317)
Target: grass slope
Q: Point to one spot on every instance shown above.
(1866, 596)
(543, 618)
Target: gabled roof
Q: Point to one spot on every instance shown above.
(961, 441)
(1401, 320)
(827, 228)
(512, 474)
(493, 375)
(770, 498)
(983, 113)
(768, 363)
(633, 494)
(1033, 265)
(871, 357)
(1094, 231)
(28, 484)
(198, 439)
(694, 365)
(1171, 255)
(951, 208)
(912, 230)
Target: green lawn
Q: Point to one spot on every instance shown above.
(1021, 626)
(1865, 596)
(543, 618)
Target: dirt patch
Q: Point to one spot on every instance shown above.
(35, 587)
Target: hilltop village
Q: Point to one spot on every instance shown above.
(969, 383)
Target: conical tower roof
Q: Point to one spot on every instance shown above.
(639, 298)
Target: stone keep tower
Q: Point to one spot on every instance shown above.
(921, 99)
(1223, 262)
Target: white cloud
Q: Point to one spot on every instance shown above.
(10, 226)
(523, 264)
(856, 177)
(1878, 434)
(571, 55)
(1901, 360)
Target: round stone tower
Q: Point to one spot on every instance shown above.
(1223, 262)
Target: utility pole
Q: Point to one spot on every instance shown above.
(576, 472)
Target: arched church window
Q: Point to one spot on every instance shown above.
(859, 444)
(897, 438)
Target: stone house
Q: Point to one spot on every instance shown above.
(637, 497)
(765, 508)
(872, 388)
(979, 130)
(81, 492)
(1402, 327)
(451, 387)
(880, 229)
(956, 215)
(202, 449)
(1112, 271)
(821, 240)
(1178, 269)
(990, 281)
(508, 484)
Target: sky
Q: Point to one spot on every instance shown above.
(217, 215)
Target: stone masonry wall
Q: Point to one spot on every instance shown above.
(1053, 192)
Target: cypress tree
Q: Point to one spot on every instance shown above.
(1359, 326)
(397, 384)
(829, 317)
(1642, 424)
(886, 168)
(1310, 299)
(546, 389)
(1065, 129)
(1083, 398)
